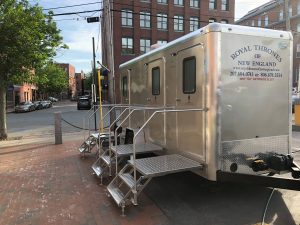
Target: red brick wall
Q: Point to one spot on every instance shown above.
(152, 33)
(274, 23)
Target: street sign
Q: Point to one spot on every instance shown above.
(92, 19)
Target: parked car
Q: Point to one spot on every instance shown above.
(38, 105)
(84, 103)
(52, 99)
(46, 104)
(25, 107)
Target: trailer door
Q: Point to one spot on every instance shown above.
(156, 98)
(190, 93)
(125, 87)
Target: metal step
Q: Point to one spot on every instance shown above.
(116, 194)
(106, 159)
(166, 164)
(127, 150)
(128, 179)
(89, 143)
(82, 149)
(97, 169)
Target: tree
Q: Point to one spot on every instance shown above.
(88, 81)
(28, 38)
(51, 79)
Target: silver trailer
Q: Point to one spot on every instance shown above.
(240, 75)
(223, 99)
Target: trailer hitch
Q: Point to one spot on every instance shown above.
(295, 169)
(276, 164)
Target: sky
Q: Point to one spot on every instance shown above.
(77, 33)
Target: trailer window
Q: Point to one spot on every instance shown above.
(125, 86)
(156, 81)
(189, 75)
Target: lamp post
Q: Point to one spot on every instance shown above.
(100, 96)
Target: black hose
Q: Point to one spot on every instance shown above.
(77, 126)
(266, 207)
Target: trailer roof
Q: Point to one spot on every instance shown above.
(216, 27)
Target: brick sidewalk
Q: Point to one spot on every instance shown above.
(49, 184)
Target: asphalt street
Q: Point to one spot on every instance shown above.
(41, 122)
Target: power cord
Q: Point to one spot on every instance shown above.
(266, 207)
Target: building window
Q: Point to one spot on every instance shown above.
(212, 4)
(298, 8)
(162, 42)
(194, 23)
(189, 75)
(145, 20)
(162, 21)
(298, 27)
(162, 1)
(280, 16)
(266, 20)
(178, 2)
(156, 81)
(178, 23)
(259, 22)
(125, 86)
(127, 45)
(212, 20)
(145, 45)
(225, 5)
(252, 23)
(298, 51)
(224, 21)
(126, 17)
(194, 3)
(290, 11)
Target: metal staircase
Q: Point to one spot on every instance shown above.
(96, 139)
(118, 152)
(137, 173)
(129, 183)
(92, 141)
(115, 155)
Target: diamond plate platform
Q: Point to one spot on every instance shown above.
(102, 135)
(127, 150)
(166, 164)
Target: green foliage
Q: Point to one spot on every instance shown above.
(51, 79)
(28, 38)
(88, 81)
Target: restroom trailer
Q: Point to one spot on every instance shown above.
(225, 91)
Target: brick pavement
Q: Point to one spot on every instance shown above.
(50, 184)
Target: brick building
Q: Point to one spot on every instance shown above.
(79, 77)
(70, 70)
(272, 15)
(136, 25)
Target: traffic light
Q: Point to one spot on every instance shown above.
(92, 19)
(104, 72)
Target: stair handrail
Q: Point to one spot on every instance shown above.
(107, 105)
(136, 108)
(86, 116)
(138, 132)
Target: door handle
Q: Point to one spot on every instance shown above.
(177, 99)
(148, 99)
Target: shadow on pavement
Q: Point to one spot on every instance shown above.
(186, 198)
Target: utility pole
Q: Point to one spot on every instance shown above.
(94, 83)
(287, 15)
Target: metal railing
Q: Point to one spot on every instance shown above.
(113, 106)
(135, 193)
(85, 117)
(131, 111)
